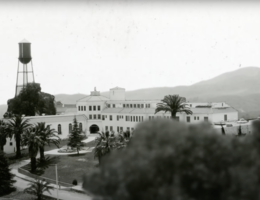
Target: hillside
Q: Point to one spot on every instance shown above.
(238, 88)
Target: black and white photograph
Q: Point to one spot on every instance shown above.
(129, 100)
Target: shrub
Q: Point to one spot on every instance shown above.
(6, 180)
(74, 182)
(170, 160)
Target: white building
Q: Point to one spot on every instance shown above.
(114, 113)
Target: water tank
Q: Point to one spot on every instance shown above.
(25, 52)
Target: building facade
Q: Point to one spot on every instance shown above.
(96, 113)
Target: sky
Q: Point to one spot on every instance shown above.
(79, 45)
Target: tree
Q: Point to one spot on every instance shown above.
(75, 136)
(6, 183)
(31, 139)
(105, 143)
(16, 127)
(38, 187)
(48, 137)
(3, 135)
(173, 104)
(170, 160)
(31, 101)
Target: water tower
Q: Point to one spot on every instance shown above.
(25, 73)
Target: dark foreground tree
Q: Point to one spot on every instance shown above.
(16, 127)
(38, 187)
(170, 160)
(75, 136)
(31, 101)
(3, 135)
(173, 104)
(6, 178)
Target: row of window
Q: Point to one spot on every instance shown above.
(134, 118)
(90, 108)
(130, 105)
(95, 116)
(70, 128)
(119, 129)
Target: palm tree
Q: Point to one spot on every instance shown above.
(31, 139)
(16, 127)
(105, 143)
(48, 137)
(38, 187)
(173, 104)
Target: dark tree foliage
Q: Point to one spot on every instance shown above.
(75, 136)
(171, 160)
(6, 180)
(31, 101)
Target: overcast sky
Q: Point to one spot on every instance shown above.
(81, 45)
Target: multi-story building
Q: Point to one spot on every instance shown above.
(115, 113)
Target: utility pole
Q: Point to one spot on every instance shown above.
(57, 181)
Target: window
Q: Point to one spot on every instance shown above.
(139, 118)
(121, 128)
(99, 116)
(134, 105)
(131, 105)
(103, 117)
(90, 108)
(131, 118)
(78, 108)
(84, 108)
(132, 129)
(90, 116)
(59, 129)
(128, 128)
(98, 107)
(206, 119)
(117, 128)
(95, 116)
(225, 117)
(147, 105)
(110, 117)
(138, 105)
(198, 118)
(106, 128)
(188, 118)
(80, 127)
(94, 107)
(127, 105)
(11, 144)
(134, 118)
(142, 105)
(195, 118)
(70, 128)
(117, 117)
(142, 118)
(108, 105)
(114, 105)
(111, 128)
(123, 105)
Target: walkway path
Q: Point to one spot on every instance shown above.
(22, 181)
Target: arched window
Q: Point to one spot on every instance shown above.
(80, 127)
(70, 128)
(59, 129)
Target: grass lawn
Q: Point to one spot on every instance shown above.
(70, 167)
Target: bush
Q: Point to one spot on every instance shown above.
(6, 180)
(74, 182)
(170, 160)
